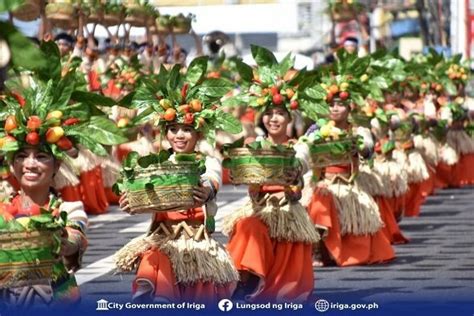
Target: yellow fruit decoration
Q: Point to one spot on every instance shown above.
(24, 221)
(325, 131)
(261, 101)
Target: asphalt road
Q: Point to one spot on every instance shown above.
(437, 266)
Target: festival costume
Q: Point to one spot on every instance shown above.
(414, 165)
(178, 260)
(51, 119)
(91, 179)
(272, 237)
(463, 144)
(352, 220)
(187, 265)
(67, 183)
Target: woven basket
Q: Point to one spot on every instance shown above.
(332, 153)
(27, 258)
(94, 16)
(182, 29)
(29, 11)
(111, 19)
(61, 15)
(161, 188)
(162, 29)
(137, 20)
(260, 166)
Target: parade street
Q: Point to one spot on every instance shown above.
(436, 266)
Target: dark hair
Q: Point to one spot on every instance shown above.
(66, 37)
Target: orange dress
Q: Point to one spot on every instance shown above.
(463, 171)
(93, 193)
(444, 175)
(284, 268)
(156, 269)
(391, 229)
(349, 249)
(414, 198)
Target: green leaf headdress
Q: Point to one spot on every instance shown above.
(186, 97)
(277, 84)
(54, 116)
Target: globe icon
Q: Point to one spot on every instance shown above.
(321, 305)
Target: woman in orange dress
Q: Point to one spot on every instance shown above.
(35, 170)
(205, 272)
(348, 215)
(178, 260)
(271, 237)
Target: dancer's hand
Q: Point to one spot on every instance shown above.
(68, 247)
(125, 205)
(201, 195)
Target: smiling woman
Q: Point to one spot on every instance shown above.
(42, 237)
(35, 169)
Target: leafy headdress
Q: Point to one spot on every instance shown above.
(54, 115)
(186, 97)
(269, 86)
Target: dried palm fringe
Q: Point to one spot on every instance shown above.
(6, 190)
(461, 142)
(65, 177)
(369, 181)
(414, 165)
(448, 155)
(209, 261)
(394, 178)
(85, 161)
(127, 258)
(428, 147)
(285, 221)
(192, 261)
(110, 172)
(358, 212)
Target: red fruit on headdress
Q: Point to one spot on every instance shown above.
(275, 90)
(189, 118)
(214, 74)
(344, 95)
(32, 138)
(329, 97)
(184, 91)
(294, 105)
(64, 143)
(34, 122)
(277, 99)
(71, 121)
(19, 99)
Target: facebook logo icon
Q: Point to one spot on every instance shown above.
(225, 305)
